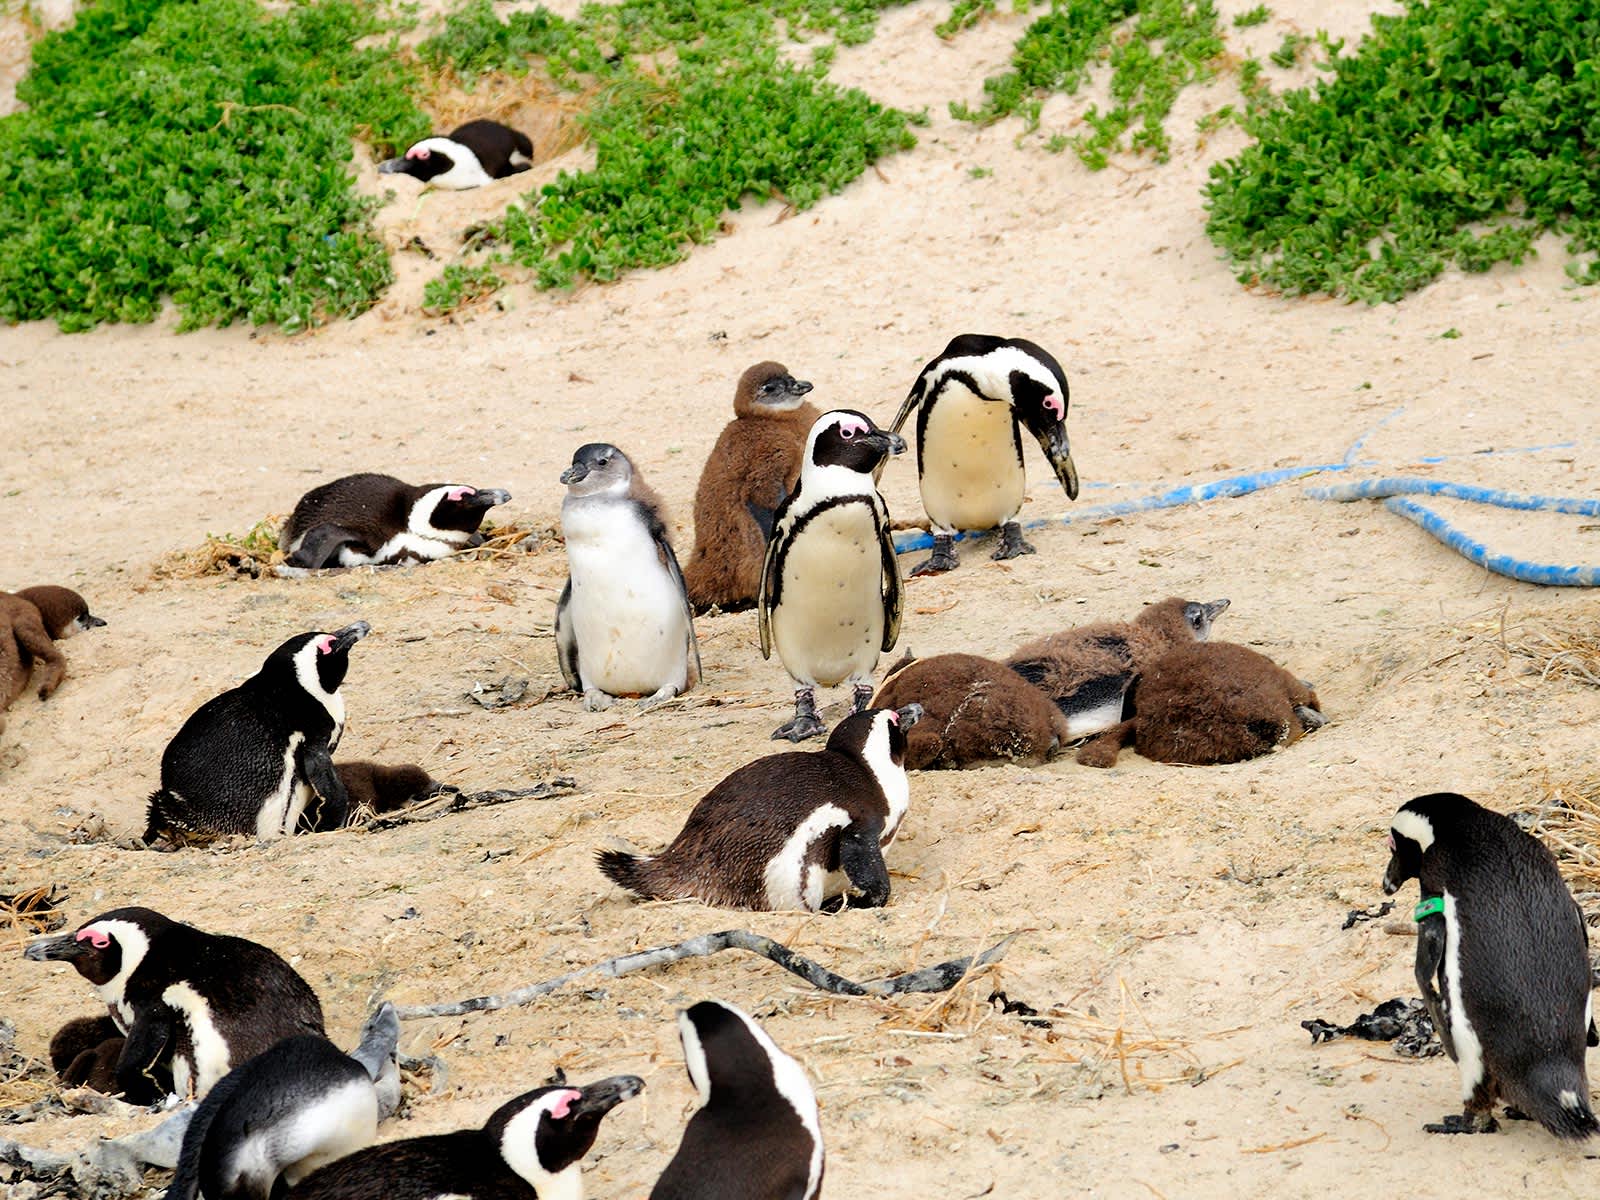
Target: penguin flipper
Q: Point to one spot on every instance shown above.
(1431, 936)
(316, 768)
(321, 545)
(670, 561)
(893, 593)
(861, 858)
(769, 584)
(567, 640)
(147, 1043)
(763, 517)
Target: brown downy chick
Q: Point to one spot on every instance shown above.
(973, 710)
(31, 622)
(374, 788)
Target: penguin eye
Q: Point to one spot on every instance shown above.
(847, 432)
(1391, 840)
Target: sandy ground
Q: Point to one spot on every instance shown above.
(1179, 924)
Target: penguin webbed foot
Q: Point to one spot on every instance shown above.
(1465, 1123)
(860, 697)
(1011, 543)
(657, 698)
(1310, 718)
(804, 725)
(941, 560)
(594, 700)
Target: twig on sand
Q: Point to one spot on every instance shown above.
(450, 801)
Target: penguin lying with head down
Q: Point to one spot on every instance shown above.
(32, 621)
(1502, 962)
(473, 155)
(790, 831)
(973, 710)
(376, 520)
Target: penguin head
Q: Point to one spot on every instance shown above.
(1415, 828)
(63, 611)
(112, 944)
(767, 389)
(544, 1133)
(317, 661)
(1040, 403)
(598, 469)
(1199, 616)
(446, 508)
(427, 159)
(848, 439)
(876, 736)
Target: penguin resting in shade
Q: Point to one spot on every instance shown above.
(790, 831)
(752, 469)
(971, 404)
(1502, 962)
(973, 710)
(623, 625)
(376, 520)
(474, 154)
(32, 621)
(251, 760)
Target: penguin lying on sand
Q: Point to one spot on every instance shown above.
(830, 598)
(191, 1005)
(971, 402)
(32, 621)
(373, 788)
(473, 155)
(623, 625)
(752, 469)
(1502, 961)
(376, 520)
(532, 1146)
(251, 760)
(757, 1134)
(790, 831)
(973, 710)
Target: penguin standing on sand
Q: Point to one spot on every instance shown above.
(969, 403)
(474, 154)
(251, 760)
(751, 470)
(623, 625)
(757, 1134)
(190, 1004)
(830, 597)
(1502, 961)
(790, 831)
(32, 621)
(376, 520)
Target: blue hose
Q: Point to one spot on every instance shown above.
(1375, 489)
(1501, 564)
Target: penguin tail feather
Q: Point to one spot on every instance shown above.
(630, 871)
(1558, 1098)
(157, 823)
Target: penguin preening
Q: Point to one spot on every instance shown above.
(974, 710)
(971, 403)
(532, 1146)
(830, 597)
(757, 1134)
(251, 760)
(623, 623)
(1502, 962)
(474, 154)
(790, 831)
(190, 1005)
(377, 520)
(751, 470)
(32, 621)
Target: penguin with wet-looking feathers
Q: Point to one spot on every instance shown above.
(378, 520)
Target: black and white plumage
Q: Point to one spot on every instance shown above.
(1502, 962)
(378, 520)
(830, 598)
(474, 154)
(532, 1146)
(757, 1134)
(623, 623)
(971, 404)
(190, 1004)
(251, 760)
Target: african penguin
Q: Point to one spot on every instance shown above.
(189, 1004)
(373, 788)
(752, 468)
(473, 155)
(970, 404)
(757, 1134)
(623, 624)
(790, 831)
(84, 1053)
(974, 710)
(376, 520)
(531, 1147)
(31, 622)
(1502, 961)
(830, 597)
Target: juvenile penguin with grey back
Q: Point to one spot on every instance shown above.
(32, 621)
(972, 403)
(472, 155)
(378, 520)
(252, 760)
(623, 624)
(830, 598)
(790, 831)
(757, 1134)
(1502, 962)
(190, 1005)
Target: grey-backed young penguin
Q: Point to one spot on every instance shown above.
(473, 155)
(752, 468)
(532, 1146)
(1502, 961)
(790, 831)
(32, 621)
(757, 1134)
(971, 403)
(623, 625)
(377, 520)
(973, 710)
(830, 598)
(190, 1004)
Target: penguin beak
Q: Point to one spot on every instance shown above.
(1216, 608)
(576, 473)
(892, 443)
(600, 1098)
(392, 166)
(63, 948)
(1392, 878)
(90, 621)
(349, 636)
(909, 715)
(1053, 441)
(487, 497)
(799, 387)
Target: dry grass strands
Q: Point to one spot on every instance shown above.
(528, 103)
(1567, 820)
(24, 915)
(251, 554)
(1559, 651)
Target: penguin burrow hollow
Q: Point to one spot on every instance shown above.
(790, 831)
(472, 155)
(623, 623)
(377, 520)
(251, 760)
(32, 621)
(1502, 962)
(752, 469)
(830, 597)
(972, 403)
(973, 710)
(190, 1005)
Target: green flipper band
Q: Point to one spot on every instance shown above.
(1432, 906)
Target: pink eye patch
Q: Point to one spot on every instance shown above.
(1053, 403)
(460, 493)
(851, 426)
(325, 643)
(894, 717)
(94, 937)
(563, 1104)
(418, 153)
(1391, 841)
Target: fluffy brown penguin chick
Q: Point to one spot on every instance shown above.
(1209, 703)
(752, 468)
(375, 788)
(84, 1053)
(31, 622)
(973, 710)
